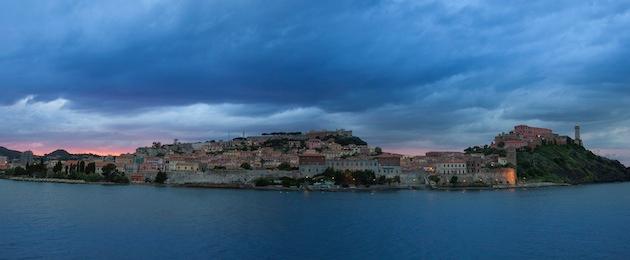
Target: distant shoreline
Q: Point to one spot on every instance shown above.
(281, 188)
(54, 180)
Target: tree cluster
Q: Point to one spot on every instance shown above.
(365, 178)
(486, 150)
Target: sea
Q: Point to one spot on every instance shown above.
(79, 221)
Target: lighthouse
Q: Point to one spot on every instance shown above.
(578, 140)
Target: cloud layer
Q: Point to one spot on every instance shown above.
(407, 75)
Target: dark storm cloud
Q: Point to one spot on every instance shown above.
(402, 73)
(344, 55)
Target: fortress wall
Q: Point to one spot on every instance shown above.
(489, 177)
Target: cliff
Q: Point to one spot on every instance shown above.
(570, 164)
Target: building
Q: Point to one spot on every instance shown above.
(451, 167)
(380, 165)
(530, 133)
(527, 136)
(314, 143)
(4, 162)
(389, 164)
(182, 166)
(326, 133)
(126, 163)
(26, 158)
(578, 138)
(99, 164)
(495, 176)
(312, 164)
(474, 164)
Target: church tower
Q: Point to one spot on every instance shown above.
(578, 140)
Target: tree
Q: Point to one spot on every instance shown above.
(81, 167)
(285, 166)
(261, 182)
(453, 180)
(90, 168)
(109, 170)
(366, 178)
(20, 171)
(434, 178)
(58, 167)
(378, 150)
(161, 177)
(246, 166)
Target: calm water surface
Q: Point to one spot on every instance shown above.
(44, 220)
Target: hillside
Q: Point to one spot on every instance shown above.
(59, 155)
(11, 154)
(569, 163)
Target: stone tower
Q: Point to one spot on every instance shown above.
(511, 155)
(578, 139)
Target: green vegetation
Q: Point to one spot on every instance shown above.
(276, 143)
(262, 182)
(71, 172)
(283, 133)
(283, 144)
(568, 163)
(77, 171)
(90, 168)
(434, 178)
(291, 182)
(161, 177)
(486, 150)
(285, 166)
(346, 140)
(246, 166)
(112, 174)
(347, 178)
(453, 180)
(58, 167)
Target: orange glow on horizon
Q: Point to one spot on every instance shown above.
(40, 150)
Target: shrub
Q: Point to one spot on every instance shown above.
(246, 166)
(261, 182)
(434, 178)
(161, 177)
(285, 167)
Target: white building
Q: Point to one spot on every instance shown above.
(380, 166)
(453, 167)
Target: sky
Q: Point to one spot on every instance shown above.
(409, 76)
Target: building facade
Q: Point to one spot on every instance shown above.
(452, 167)
(4, 162)
(380, 165)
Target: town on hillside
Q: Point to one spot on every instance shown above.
(322, 159)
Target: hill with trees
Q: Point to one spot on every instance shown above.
(11, 154)
(59, 155)
(569, 164)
